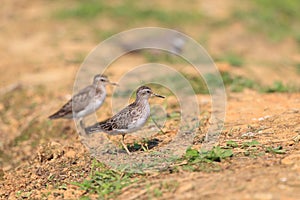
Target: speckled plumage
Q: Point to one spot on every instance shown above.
(128, 120)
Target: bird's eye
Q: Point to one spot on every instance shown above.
(148, 91)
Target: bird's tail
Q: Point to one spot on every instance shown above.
(60, 114)
(55, 115)
(92, 129)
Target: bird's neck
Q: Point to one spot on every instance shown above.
(141, 101)
(100, 87)
(100, 90)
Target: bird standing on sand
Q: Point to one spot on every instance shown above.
(86, 101)
(128, 120)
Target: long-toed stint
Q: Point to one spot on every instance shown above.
(86, 101)
(128, 120)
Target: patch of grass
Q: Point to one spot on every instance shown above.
(126, 12)
(232, 144)
(275, 150)
(217, 154)
(205, 160)
(191, 154)
(104, 182)
(252, 143)
(237, 83)
(130, 10)
(83, 10)
(251, 148)
(254, 148)
(278, 86)
(277, 19)
(234, 83)
(233, 59)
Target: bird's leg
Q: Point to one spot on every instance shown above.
(82, 127)
(81, 123)
(125, 147)
(157, 126)
(144, 145)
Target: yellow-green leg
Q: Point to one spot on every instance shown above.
(125, 146)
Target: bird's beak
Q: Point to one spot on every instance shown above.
(116, 84)
(157, 95)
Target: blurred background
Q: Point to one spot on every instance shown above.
(260, 36)
(255, 44)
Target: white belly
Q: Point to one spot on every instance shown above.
(135, 125)
(138, 124)
(91, 108)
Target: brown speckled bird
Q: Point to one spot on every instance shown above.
(128, 120)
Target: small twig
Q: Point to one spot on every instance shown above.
(157, 125)
(179, 164)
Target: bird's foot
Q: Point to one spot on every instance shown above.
(82, 124)
(144, 146)
(125, 147)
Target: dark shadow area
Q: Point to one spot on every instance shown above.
(144, 145)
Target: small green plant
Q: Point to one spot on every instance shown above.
(216, 154)
(252, 148)
(191, 154)
(252, 143)
(277, 86)
(275, 150)
(104, 182)
(232, 144)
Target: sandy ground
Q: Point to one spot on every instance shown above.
(39, 64)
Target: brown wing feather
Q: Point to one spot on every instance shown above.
(118, 121)
(78, 101)
(121, 120)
